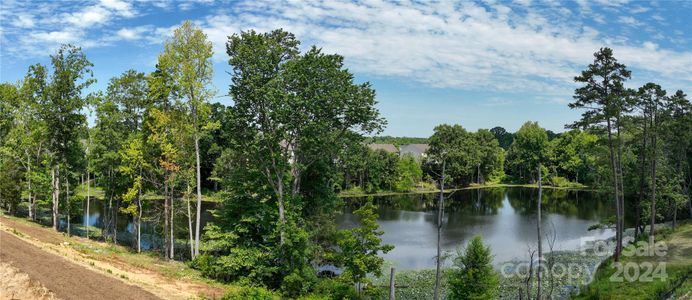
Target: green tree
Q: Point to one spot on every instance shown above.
(187, 57)
(61, 99)
(109, 135)
(603, 95)
(408, 172)
(491, 156)
(652, 98)
(503, 137)
(360, 247)
(293, 111)
(574, 154)
(474, 276)
(529, 149)
(461, 152)
(133, 164)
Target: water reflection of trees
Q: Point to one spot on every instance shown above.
(486, 202)
(572, 203)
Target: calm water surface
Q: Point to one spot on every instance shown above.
(505, 217)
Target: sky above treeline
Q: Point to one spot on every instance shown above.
(476, 63)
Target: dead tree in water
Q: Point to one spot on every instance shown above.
(440, 206)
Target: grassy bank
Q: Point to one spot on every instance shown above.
(659, 276)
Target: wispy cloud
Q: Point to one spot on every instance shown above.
(468, 45)
(500, 46)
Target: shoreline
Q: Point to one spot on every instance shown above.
(472, 187)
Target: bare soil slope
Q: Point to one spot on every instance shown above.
(65, 279)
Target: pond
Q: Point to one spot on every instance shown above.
(505, 217)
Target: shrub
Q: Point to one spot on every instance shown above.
(251, 293)
(299, 282)
(559, 181)
(335, 289)
(474, 277)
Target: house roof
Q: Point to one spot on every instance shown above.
(414, 149)
(386, 147)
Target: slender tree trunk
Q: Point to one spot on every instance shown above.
(673, 205)
(172, 224)
(613, 166)
(55, 175)
(189, 224)
(653, 185)
(86, 226)
(282, 217)
(166, 213)
(391, 283)
(28, 178)
(67, 202)
(642, 180)
(139, 220)
(199, 192)
(115, 220)
(621, 181)
(540, 238)
(440, 206)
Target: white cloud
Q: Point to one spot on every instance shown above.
(23, 21)
(89, 16)
(468, 46)
(628, 20)
(120, 7)
(639, 9)
(491, 46)
(133, 33)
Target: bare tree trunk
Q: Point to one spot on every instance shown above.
(86, 226)
(31, 199)
(613, 165)
(391, 284)
(199, 192)
(653, 187)
(540, 238)
(55, 175)
(67, 202)
(139, 220)
(172, 252)
(673, 205)
(642, 180)
(166, 213)
(621, 181)
(115, 220)
(529, 282)
(440, 206)
(189, 224)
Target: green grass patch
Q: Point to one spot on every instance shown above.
(646, 276)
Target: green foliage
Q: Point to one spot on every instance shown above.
(397, 141)
(335, 288)
(409, 173)
(574, 154)
(503, 137)
(469, 157)
(251, 293)
(530, 147)
(360, 247)
(474, 276)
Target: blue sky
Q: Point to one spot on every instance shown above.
(476, 63)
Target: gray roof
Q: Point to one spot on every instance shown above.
(386, 147)
(416, 150)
